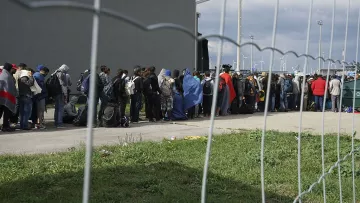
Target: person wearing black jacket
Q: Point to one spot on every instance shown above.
(25, 81)
(152, 92)
(119, 96)
(136, 98)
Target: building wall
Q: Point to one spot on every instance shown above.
(57, 36)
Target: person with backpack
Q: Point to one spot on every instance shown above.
(58, 85)
(166, 96)
(208, 88)
(284, 88)
(114, 112)
(104, 79)
(136, 97)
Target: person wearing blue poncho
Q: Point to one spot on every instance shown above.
(178, 111)
(192, 90)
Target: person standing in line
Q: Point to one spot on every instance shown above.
(208, 88)
(283, 94)
(136, 98)
(335, 91)
(15, 118)
(8, 97)
(26, 80)
(60, 99)
(155, 93)
(40, 99)
(104, 76)
(318, 89)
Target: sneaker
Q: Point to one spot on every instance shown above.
(41, 127)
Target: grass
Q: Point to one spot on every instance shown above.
(171, 171)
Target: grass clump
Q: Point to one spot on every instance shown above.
(171, 171)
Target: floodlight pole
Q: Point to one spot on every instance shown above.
(251, 54)
(320, 23)
(197, 16)
(239, 38)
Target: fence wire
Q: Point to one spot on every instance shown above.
(97, 10)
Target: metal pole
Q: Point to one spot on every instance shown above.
(320, 23)
(196, 41)
(239, 39)
(251, 55)
(92, 102)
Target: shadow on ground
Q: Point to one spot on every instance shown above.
(159, 182)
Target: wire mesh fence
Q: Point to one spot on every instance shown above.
(97, 10)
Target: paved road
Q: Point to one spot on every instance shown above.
(50, 140)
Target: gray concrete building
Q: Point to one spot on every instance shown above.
(62, 36)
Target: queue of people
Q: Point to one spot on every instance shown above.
(170, 95)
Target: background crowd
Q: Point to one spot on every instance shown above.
(176, 95)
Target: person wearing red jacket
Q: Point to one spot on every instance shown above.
(318, 89)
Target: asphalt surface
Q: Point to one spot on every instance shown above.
(53, 140)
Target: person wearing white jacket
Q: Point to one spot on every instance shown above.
(335, 90)
(296, 92)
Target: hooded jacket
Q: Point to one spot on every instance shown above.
(40, 79)
(69, 108)
(61, 74)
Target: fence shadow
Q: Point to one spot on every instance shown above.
(158, 182)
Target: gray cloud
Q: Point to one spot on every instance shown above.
(291, 32)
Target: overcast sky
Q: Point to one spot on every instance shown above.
(257, 20)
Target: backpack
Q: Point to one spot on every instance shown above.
(165, 87)
(85, 85)
(53, 84)
(207, 87)
(288, 85)
(130, 86)
(111, 117)
(109, 89)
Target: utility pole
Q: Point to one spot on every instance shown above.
(320, 23)
(197, 16)
(239, 39)
(251, 55)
